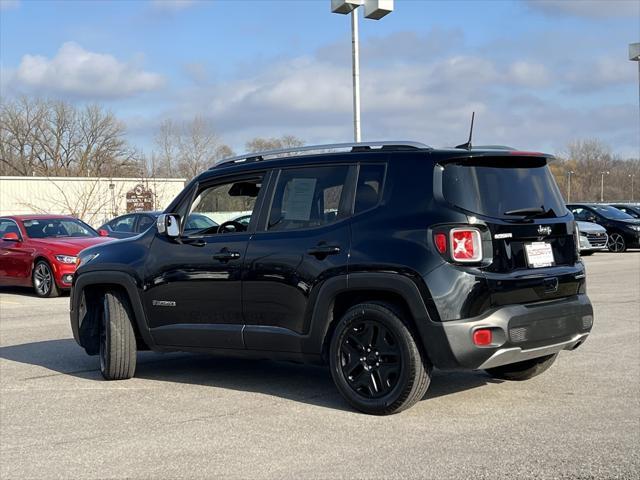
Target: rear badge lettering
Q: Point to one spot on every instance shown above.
(499, 236)
(544, 230)
(163, 303)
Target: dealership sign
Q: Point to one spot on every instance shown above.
(139, 199)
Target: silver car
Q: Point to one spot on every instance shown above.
(593, 237)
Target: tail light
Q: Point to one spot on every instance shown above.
(460, 244)
(466, 244)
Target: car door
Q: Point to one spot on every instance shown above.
(15, 257)
(193, 283)
(303, 238)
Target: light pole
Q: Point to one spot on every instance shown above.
(602, 174)
(375, 10)
(631, 175)
(569, 173)
(634, 56)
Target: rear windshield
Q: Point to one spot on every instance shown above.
(492, 188)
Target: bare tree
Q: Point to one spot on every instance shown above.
(586, 162)
(260, 144)
(189, 148)
(54, 138)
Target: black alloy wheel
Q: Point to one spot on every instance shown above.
(375, 361)
(370, 359)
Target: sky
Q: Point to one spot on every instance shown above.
(538, 73)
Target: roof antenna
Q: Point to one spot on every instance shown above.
(467, 146)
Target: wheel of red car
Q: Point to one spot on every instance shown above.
(43, 282)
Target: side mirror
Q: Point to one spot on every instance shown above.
(11, 237)
(103, 233)
(168, 225)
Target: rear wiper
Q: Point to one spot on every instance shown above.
(527, 212)
(531, 213)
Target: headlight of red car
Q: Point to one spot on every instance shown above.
(66, 259)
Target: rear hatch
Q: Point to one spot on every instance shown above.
(531, 232)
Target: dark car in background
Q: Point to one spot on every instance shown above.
(132, 224)
(622, 228)
(41, 251)
(632, 209)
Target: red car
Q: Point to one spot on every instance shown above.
(41, 251)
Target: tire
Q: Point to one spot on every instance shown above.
(586, 254)
(43, 281)
(375, 361)
(523, 370)
(616, 243)
(117, 338)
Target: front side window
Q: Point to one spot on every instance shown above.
(8, 226)
(216, 209)
(58, 228)
(309, 197)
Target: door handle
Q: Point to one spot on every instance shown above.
(320, 251)
(225, 255)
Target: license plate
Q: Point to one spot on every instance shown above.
(539, 254)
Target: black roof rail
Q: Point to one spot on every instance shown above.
(327, 148)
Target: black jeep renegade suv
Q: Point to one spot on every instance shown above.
(382, 261)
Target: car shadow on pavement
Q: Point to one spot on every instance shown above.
(27, 292)
(301, 383)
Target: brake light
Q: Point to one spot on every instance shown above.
(440, 239)
(466, 245)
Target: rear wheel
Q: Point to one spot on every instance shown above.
(42, 279)
(586, 254)
(616, 243)
(523, 370)
(375, 361)
(117, 338)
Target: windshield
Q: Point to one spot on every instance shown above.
(611, 213)
(57, 228)
(489, 187)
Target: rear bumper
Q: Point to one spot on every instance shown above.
(521, 332)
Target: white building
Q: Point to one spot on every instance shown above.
(93, 199)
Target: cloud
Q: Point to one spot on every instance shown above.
(9, 4)
(587, 8)
(76, 72)
(172, 5)
(599, 73)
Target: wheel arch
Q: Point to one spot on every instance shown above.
(397, 290)
(87, 290)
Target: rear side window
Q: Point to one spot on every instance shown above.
(369, 187)
(123, 224)
(309, 197)
(492, 188)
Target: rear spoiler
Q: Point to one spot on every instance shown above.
(510, 157)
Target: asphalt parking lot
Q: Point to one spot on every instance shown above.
(193, 416)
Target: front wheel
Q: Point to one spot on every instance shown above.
(43, 282)
(375, 361)
(117, 338)
(616, 243)
(523, 370)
